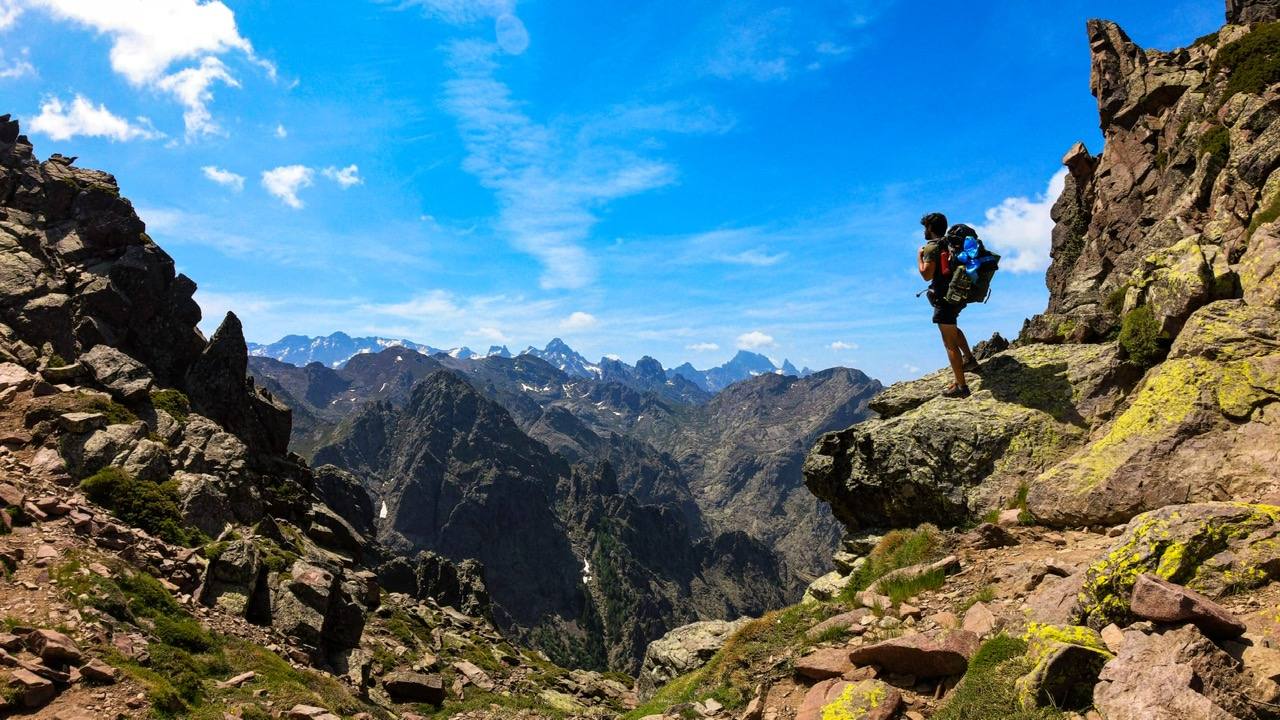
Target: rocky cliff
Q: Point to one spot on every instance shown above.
(161, 553)
(1153, 375)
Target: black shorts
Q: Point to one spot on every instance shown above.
(945, 313)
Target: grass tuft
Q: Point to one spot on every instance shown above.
(987, 690)
(897, 549)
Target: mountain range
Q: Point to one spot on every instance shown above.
(688, 505)
(336, 349)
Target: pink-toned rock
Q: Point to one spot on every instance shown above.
(1155, 598)
(979, 620)
(920, 655)
(824, 663)
(53, 647)
(1008, 518)
(11, 496)
(96, 671)
(944, 619)
(850, 621)
(860, 700)
(30, 690)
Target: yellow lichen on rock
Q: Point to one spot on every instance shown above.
(856, 701)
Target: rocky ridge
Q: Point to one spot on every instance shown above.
(160, 551)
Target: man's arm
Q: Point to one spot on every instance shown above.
(925, 265)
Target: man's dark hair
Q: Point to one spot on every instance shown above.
(935, 223)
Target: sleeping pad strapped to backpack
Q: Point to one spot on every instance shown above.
(973, 266)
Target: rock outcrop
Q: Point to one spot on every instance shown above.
(1164, 379)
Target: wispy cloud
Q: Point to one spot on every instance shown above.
(63, 121)
(281, 132)
(756, 257)
(840, 345)
(223, 177)
(284, 182)
(702, 347)
(509, 31)
(12, 70)
(346, 177)
(548, 190)
(762, 42)
(149, 37)
(1021, 229)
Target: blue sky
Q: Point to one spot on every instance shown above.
(666, 178)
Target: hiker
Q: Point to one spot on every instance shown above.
(936, 265)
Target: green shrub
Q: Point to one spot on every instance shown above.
(1265, 215)
(56, 360)
(1114, 303)
(115, 413)
(172, 402)
(1140, 337)
(1252, 63)
(1216, 143)
(1211, 40)
(146, 504)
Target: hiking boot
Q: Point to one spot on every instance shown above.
(972, 365)
(956, 391)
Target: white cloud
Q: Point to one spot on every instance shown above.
(148, 37)
(18, 68)
(756, 257)
(191, 89)
(281, 132)
(63, 122)
(491, 334)
(750, 50)
(224, 177)
(702, 347)
(284, 182)
(548, 188)
(842, 345)
(754, 340)
(913, 369)
(578, 321)
(346, 177)
(1020, 228)
(9, 12)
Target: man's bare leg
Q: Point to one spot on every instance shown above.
(963, 344)
(951, 342)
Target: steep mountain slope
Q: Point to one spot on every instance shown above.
(585, 572)
(732, 461)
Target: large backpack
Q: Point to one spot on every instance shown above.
(972, 266)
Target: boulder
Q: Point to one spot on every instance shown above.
(301, 600)
(29, 690)
(683, 650)
(827, 587)
(15, 376)
(82, 422)
(851, 621)
(121, 375)
(1240, 12)
(405, 687)
(1155, 598)
(1172, 675)
(53, 647)
(920, 655)
(1208, 547)
(824, 663)
(928, 459)
(1066, 661)
(99, 673)
(1207, 411)
(861, 700)
(979, 620)
(474, 674)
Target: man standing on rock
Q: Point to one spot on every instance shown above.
(936, 265)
